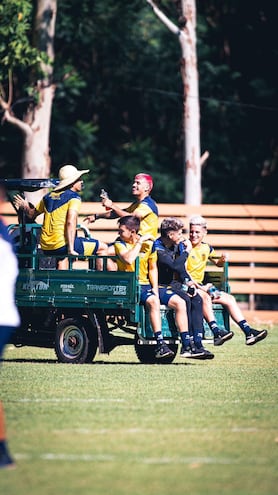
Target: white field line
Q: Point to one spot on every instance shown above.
(107, 458)
(108, 431)
(110, 399)
(67, 399)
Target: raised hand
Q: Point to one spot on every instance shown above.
(20, 203)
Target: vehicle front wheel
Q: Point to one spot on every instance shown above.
(73, 343)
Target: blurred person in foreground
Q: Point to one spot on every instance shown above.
(9, 317)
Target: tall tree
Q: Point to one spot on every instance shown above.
(118, 103)
(33, 119)
(186, 32)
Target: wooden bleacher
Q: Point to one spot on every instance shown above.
(248, 232)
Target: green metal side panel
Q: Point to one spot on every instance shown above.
(78, 289)
(219, 278)
(168, 326)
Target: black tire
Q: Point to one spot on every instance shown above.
(73, 342)
(146, 353)
(93, 341)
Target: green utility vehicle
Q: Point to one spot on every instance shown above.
(83, 309)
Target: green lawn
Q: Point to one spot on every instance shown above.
(119, 427)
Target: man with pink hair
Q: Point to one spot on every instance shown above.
(144, 207)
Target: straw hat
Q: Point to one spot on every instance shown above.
(68, 174)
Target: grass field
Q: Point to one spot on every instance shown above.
(119, 427)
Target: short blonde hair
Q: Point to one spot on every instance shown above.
(198, 220)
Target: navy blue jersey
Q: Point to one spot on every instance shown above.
(171, 262)
(4, 233)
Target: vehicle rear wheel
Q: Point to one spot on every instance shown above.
(93, 341)
(73, 342)
(146, 353)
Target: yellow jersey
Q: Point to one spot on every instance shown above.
(197, 261)
(146, 254)
(55, 206)
(148, 212)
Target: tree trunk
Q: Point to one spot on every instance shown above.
(191, 116)
(35, 157)
(35, 154)
(35, 125)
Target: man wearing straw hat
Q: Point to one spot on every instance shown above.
(60, 208)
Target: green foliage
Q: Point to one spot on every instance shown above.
(19, 65)
(117, 76)
(117, 46)
(121, 427)
(138, 156)
(15, 27)
(237, 50)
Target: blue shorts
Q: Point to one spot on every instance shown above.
(5, 333)
(165, 294)
(82, 245)
(146, 291)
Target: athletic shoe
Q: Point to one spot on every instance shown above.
(6, 461)
(208, 354)
(222, 337)
(255, 336)
(163, 351)
(196, 353)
